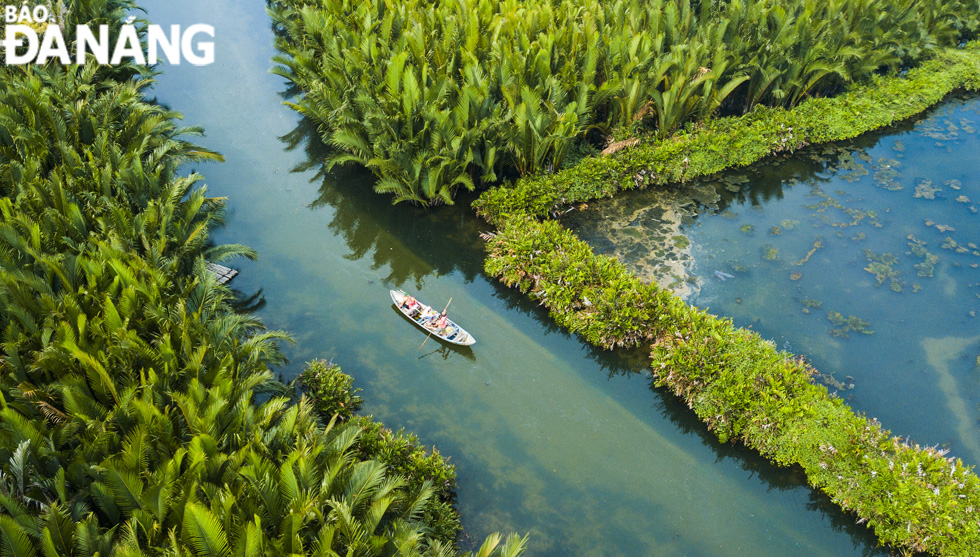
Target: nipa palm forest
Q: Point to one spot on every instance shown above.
(139, 413)
(434, 97)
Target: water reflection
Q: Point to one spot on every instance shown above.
(372, 226)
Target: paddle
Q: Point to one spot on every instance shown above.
(430, 332)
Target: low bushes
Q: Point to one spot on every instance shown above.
(745, 389)
(593, 296)
(330, 390)
(729, 142)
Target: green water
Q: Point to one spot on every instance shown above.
(550, 437)
(862, 256)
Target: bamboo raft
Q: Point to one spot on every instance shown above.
(221, 273)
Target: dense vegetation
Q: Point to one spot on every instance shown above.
(745, 389)
(138, 411)
(331, 393)
(434, 96)
(738, 141)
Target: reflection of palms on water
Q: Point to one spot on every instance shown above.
(404, 238)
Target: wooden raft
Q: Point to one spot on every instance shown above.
(221, 273)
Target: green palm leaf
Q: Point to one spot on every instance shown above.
(204, 532)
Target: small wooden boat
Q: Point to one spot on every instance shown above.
(452, 333)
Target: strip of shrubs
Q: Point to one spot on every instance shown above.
(745, 389)
(722, 143)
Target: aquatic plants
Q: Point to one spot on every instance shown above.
(817, 244)
(844, 325)
(810, 303)
(929, 260)
(882, 266)
(436, 96)
(745, 389)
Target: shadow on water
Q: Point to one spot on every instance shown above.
(372, 227)
(446, 351)
(442, 239)
(245, 303)
(750, 188)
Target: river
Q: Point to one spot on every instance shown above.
(549, 436)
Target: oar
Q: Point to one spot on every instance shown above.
(430, 332)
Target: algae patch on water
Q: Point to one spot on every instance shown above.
(831, 381)
(925, 190)
(810, 303)
(882, 266)
(928, 264)
(817, 244)
(952, 245)
(844, 325)
(646, 232)
(940, 227)
(886, 174)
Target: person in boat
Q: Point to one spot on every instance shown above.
(410, 303)
(428, 316)
(442, 321)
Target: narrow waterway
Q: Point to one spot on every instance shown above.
(550, 437)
